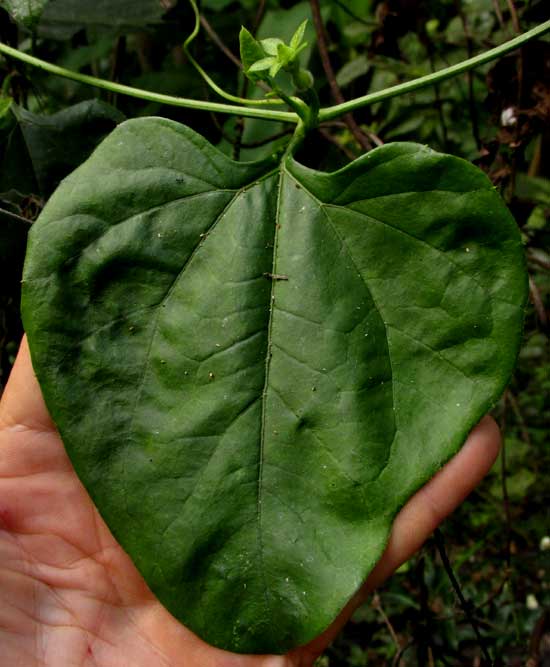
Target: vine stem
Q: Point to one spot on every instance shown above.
(436, 77)
(325, 114)
(201, 105)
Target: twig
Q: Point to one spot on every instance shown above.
(437, 91)
(377, 604)
(498, 12)
(492, 596)
(260, 13)
(470, 75)
(537, 302)
(325, 114)
(495, 592)
(219, 42)
(239, 125)
(539, 261)
(328, 136)
(424, 638)
(519, 417)
(359, 135)
(206, 76)
(519, 69)
(541, 627)
(440, 544)
(504, 483)
(397, 658)
(117, 65)
(354, 16)
(333, 123)
(341, 125)
(514, 16)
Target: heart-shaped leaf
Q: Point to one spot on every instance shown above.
(253, 366)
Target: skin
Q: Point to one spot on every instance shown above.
(69, 595)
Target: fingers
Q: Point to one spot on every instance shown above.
(22, 402)
(421, 515)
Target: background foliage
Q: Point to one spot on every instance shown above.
(497, 116)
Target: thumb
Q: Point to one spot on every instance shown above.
(22, 403)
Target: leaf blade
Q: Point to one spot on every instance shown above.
(289, 400)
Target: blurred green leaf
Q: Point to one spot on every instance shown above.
(538, 218)
(26, 12)
(61, 19)
(533, 189)
(352, 70)
(5, 106)
(41, 150)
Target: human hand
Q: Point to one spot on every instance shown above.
(71, 597)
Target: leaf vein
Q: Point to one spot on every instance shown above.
(317, 437)
(154, 327)
(431, 349)
(425, 243)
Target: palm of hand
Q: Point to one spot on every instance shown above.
(60, 565)
(69, 595)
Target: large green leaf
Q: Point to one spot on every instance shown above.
(253, 366)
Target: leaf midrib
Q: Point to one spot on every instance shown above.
(264, 398)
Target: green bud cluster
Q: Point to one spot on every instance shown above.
(264, 59)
